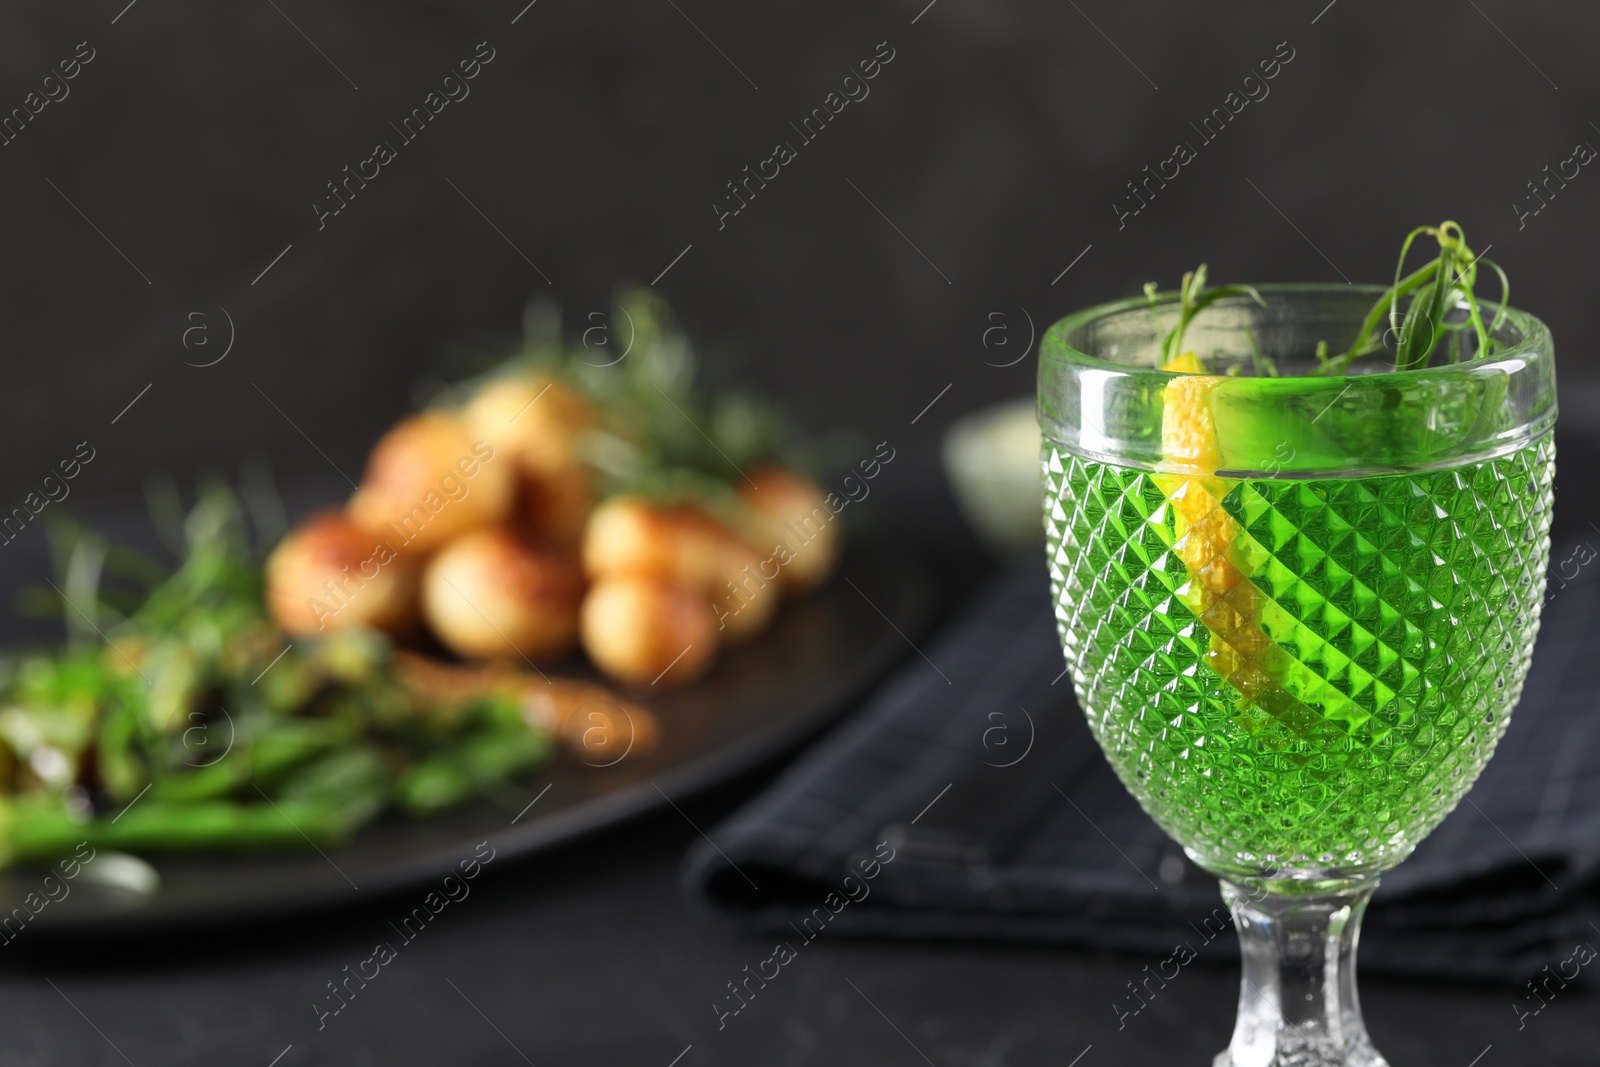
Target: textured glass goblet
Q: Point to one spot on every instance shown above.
(1298, 610)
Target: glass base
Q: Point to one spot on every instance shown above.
(1297, 998)
(1308, 1056)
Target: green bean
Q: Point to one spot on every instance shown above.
(203, 783)
(286, 744)
(352, 783)
(469, 767)
(39, 833)
(122, 772)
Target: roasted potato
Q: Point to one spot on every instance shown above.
(537, 422)
(488, 595)
(534, 419)
(793, 526)
(646, 631)
(677, 542)
(745, 605)
(330, 573)
(429, 480)
(683, 544)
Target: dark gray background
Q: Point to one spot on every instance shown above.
(599, 137)
(596, 142)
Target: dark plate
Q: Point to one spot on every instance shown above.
(819, 655)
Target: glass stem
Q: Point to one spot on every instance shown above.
(1297, 1000)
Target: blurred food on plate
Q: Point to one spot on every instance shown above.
(561, 500)
(403, 652)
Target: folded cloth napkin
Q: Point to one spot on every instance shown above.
(969, 800)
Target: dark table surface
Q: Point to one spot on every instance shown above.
(588, 955)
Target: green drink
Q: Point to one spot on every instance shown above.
(1402, 609)
(1298, 599)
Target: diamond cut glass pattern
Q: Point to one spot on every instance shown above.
(1341, 695)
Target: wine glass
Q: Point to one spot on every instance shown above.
(1298, 608)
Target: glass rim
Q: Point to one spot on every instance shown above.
(1536, 339)
(1350, 424)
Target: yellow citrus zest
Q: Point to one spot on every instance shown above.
(1219, 591)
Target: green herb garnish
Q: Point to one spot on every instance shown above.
(663, 430)
(1193, 298)
(1419, 331)
(1436, 288)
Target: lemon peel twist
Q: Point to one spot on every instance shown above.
(1219, 591)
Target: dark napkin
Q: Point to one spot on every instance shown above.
(976, 768)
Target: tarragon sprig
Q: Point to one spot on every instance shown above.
(1436, 288)
(1193, 298)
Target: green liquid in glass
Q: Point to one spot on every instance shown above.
(1401, 611)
